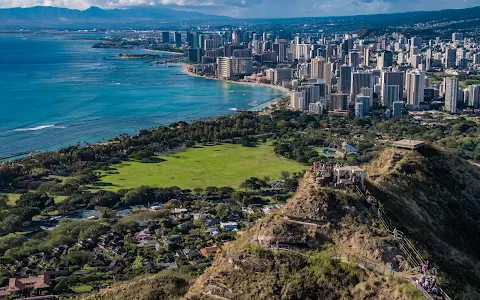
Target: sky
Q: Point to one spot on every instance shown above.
(262, 8)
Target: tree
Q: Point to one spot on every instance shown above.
(78, 257)
(3, 201)
(285, 175)
(37, 200)
(223, 210)
(12, 223)
(105, 198)
(137, 265)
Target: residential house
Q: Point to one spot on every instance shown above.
(21, 285)
(229, 226)
(174, 239)
(185, 254)
(150, 245)
(212, 231)
(211, 250)
(143, 235)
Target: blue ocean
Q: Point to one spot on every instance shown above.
(58, 90)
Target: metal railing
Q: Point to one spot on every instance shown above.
(411, 253)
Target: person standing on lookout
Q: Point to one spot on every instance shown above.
(391, 269)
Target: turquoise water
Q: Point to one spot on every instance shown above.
(56, 91)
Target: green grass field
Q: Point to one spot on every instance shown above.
(220, 165)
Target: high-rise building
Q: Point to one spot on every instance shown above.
(338, 102)
(359, 110)
(242, 53)
(195, 54)
(389, 94)
(345, 79)
(451, 94)
(317, 68)
(315, 108)
(360, 80)
(366, 56)
(178, 39)
(416, 42)
(311, 93)
(384, 59)
(224, 67)
(450, 58)
(393, 78)
(476, 59)
(415, 84)
(165, 37)
(242, 66)
(192, 40)
(327, 73)
(281, 75)
(397, 108)
(457, 37)
(354, 59)
(474, 95)
(365, 100)
(298, 101)
(462, 63)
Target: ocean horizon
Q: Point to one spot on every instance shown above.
(58, 91)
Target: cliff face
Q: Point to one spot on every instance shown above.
(315, 225)
(433, 196)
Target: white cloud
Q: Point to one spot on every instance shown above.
(262, 8)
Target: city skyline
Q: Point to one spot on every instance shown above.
(258, 8)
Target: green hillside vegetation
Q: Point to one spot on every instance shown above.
(249, 268)
(432, 196)
(166, 285)
(219, 165)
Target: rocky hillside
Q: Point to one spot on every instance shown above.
(166, 285)
(316, 225)
(433, 196)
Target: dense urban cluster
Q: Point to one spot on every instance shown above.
(346, 74)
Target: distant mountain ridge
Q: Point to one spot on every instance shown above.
(47, 16)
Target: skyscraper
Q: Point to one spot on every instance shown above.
(416, 42)
(474, 95)
(224, 67)
(365, 100)
(165, 37)
(415, 84)
(393, 78)
(192, 40)
(457, 37)
(317, 68)
(450, 58)
(389, 94)
(360, 80)
(345, 79)
(327, 73)
(397, 108)
(354, 59)
(359, 110)
(384, 59)
(338, 102)
(178, 39)
(451, 94)
(366, 56)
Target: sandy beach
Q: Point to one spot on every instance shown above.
(185, 69)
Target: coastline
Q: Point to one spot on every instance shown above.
(285, 91)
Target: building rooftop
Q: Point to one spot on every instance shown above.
(409, 144)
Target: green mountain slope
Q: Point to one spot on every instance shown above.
(433, 196)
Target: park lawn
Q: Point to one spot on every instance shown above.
(82, 288)
(219, 165)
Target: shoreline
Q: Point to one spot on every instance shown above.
(285, 91)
